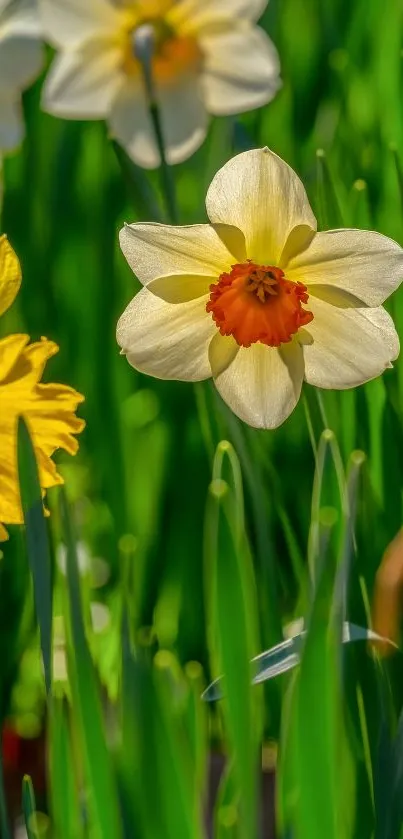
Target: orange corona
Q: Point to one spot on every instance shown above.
(257, 303)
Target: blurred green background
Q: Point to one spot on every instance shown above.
(143, 515)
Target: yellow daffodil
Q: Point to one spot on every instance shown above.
(258, 299)
(209, 57)
(21, 60)
(49, 409)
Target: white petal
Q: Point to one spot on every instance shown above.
(366, 264)
(167, 341)
(20, 18)
(82, 84)
(21, 54)
(11, 122)
(350, 346)
(130, 124)
(263, 384)
(155, 250)
(183, 117)
(193, 16)
(69, 22)
(232, 85)
(259, 193)
(382, 320)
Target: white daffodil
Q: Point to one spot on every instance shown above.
(21, 60)
(258, 299)
(209, 57)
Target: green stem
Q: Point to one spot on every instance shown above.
(144, 47)
(4, 825)
(167, 181)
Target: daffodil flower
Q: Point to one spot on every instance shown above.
(49, 409)
(209, 57)
(21, 59)
(258, 299)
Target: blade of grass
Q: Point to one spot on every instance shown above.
(328, 488)
(63, 781)
(231, 604)
(141, 193)
(101, 784)
(160, 800)
(29, 807)
(37, 543)
(4, 822)
(180, 799)
(196, 722)
(329, 212)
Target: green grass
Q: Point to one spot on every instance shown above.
(203, 550)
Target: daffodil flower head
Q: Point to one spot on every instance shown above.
(21, 59)
(204, 57)
(258, 299)
(49, 409)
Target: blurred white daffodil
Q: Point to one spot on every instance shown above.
(21, 58)
(258, 299)
(208, 57)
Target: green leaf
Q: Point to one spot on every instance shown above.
(232, 631)
(316, 778)
(37, 542)
(29, 807)
(287, 655)
(161, 798)
(329, 212)
(142, 195)
(4, 822)
(67, 817)
(100, 780)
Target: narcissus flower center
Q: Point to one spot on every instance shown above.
(257, 303)
(174, 55)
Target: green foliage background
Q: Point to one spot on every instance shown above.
(188, 581)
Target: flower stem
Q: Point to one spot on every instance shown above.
(5, 829)
(144, 47)
(167, 181)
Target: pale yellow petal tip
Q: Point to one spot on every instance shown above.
(10, 274)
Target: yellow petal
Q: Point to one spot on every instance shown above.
(49, 410)
(3, 533)
(10, 274)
